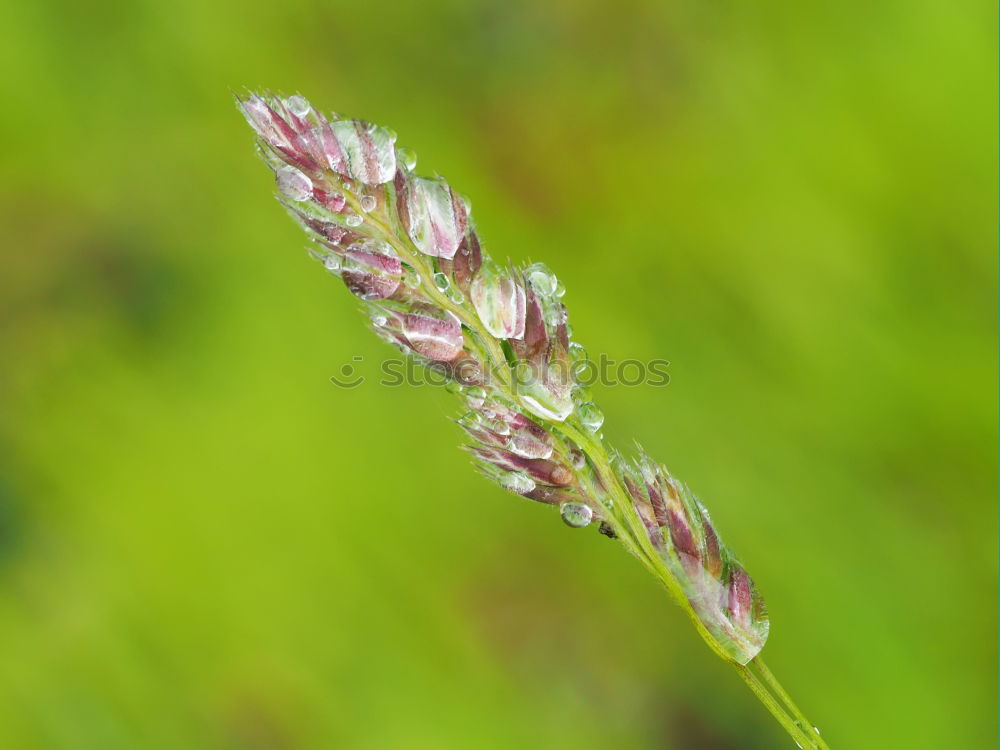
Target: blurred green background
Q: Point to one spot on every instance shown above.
(204, 544)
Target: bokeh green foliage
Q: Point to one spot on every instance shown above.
(204, 544)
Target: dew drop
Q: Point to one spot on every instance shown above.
(542, 280)
(369, 274)
(555, 315)
(368, 203)
(333, 201)
(455, 295)
(590, 416)
(803, 726)
(519, 483)
(441, 282)
(353, 220)
(584, 372)
(332, 263)
(379, 320)
(298, 105)
(294, 183)
(577, 353)
(548, 407)
(576, 515)
(436, 338)
(476, 397)
(497, 426)
(528, 445)
(406, 158)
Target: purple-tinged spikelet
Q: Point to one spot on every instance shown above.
(407, 247)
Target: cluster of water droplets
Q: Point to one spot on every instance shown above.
(545, 389)
(529, 442)
(549, 291)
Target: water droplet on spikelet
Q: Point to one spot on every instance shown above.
(528, 445)
(353, 220)
(519, 483)
(576, 515)
(407, 159)
(368, 203)
(590, 416)
(547, 405)
(294, 184)
(298, 105)
(555, 315)
(441, 281)
(542, 280)
(497, 426)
